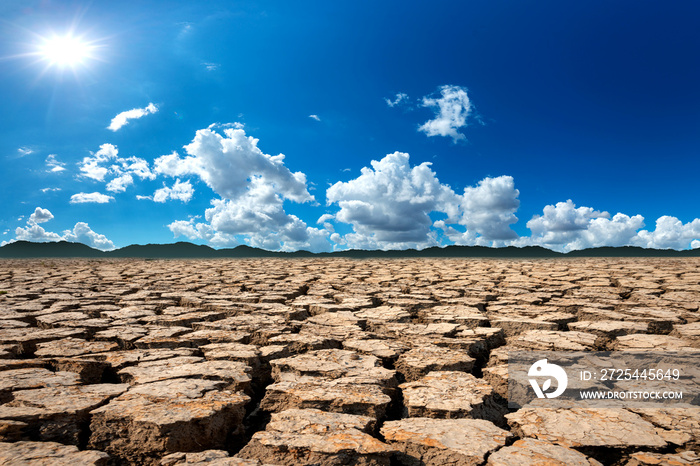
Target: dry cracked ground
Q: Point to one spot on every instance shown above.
(328, 361)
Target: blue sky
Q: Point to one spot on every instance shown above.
(402, 125)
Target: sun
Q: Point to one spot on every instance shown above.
(65, 51)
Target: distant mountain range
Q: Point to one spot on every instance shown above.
(183, 250)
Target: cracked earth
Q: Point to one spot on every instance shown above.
(329, 361)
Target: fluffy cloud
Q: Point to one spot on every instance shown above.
(451, 111)
(565, 227)
(258, 218)
(39, 216)
(228, 163)
(106, 161)
(315, 117)
(35, 233)
(81, 232)
(123, 118)
(181, 191)
(388, 204)
(252, 186)
(97, 198)
(91, 166)
(119, 184)
(670, 233)
(489, 208)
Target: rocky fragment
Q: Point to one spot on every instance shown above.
(452, 395)
(423, 441)
(534, 452)
(142, 427)
(418, 362)
(309, 436)
(49, 453)
(586, 427)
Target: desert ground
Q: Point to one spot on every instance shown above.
(329, 361)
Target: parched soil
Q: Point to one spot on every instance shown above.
(329, 361)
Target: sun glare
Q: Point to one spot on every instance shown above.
(63, 51)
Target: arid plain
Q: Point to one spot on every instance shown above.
(329, 361)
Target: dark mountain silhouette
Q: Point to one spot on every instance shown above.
(184, 250)
(26, 249)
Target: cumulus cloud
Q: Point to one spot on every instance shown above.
(315, 117)
(670, 233)
(84, 198)
(228, 163)
(81, 232)
(53, 164)
(565, 227)
(389, 204)
(258, 218)
(39, 216)
(181, 191)
(489, 208)
(398, 98)
(252, 186)
(106, 162)
(451, 111)
(91, 166)
(123, 118)
(119, 184)
(35, 233)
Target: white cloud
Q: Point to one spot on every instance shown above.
(252, 186)
(181, 191)
(259, 218)
(398, 98)
(119, 184)
(24, 151)
(695, 244)
(489, 208)
(228, 163)
(106, 161)
(670, 233)
(39, 216)
(35, 233)
(53, 164)
(82, 233)
(83, 198)
(211, 66)
(564, 227)
(451, 112)
(135, 166)
(388, 204)
(123, 118)
(46, 190)
(91, 166)
(315, 117)
(142, 198)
